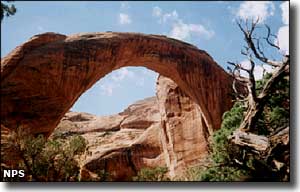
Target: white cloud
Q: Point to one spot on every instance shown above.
(107, 89)
(283, 33)
(156, 11)
(121, 74)
(164, 17)
(173, 16)
(184, 31)
(124, 19)
(283, 39)
(125, 76)
(285, 12)
(252, 10)
(115, 79)
(180, 29)
(258, 69)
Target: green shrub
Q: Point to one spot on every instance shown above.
(152, 174)
(48, 160)
(279, 117)
(221, 147)
(223, 173)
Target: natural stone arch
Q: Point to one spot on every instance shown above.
(43, 78)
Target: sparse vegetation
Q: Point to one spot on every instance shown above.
(222, 150)
(47, 160)
(103, 175)
(152, 174)
(223, 173)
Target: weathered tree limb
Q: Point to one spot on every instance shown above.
(277, 75)
(256, 142)
(268, 38)
(260, 143)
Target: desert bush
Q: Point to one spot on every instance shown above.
(152, 174)
(48, 160)
(221, 148)
(223, 173)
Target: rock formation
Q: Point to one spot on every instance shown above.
(166, 131)
(43, 78)
(184, 134)
(118, 144)
(140, 115)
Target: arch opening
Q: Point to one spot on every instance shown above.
(117, 90)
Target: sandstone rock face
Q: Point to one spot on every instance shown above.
(184, 134)
(124, 158)
(141, 114)
(75, 122)
(118, 150)
(43, 78)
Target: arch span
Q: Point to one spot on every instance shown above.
(42, 79)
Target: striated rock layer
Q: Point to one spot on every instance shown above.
(43, 78)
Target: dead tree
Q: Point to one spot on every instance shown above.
(255, 100)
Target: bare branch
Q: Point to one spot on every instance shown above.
(239, 66)
(253, 26)
(241, 78)
(276, 76)
(243, 52)
(235, 72)
(237, 92)
(259, 49)
(268, 38)
(229, 70)
(249, 39)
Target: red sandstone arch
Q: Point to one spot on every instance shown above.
(42, 79)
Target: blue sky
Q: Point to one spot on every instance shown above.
(208, 25)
